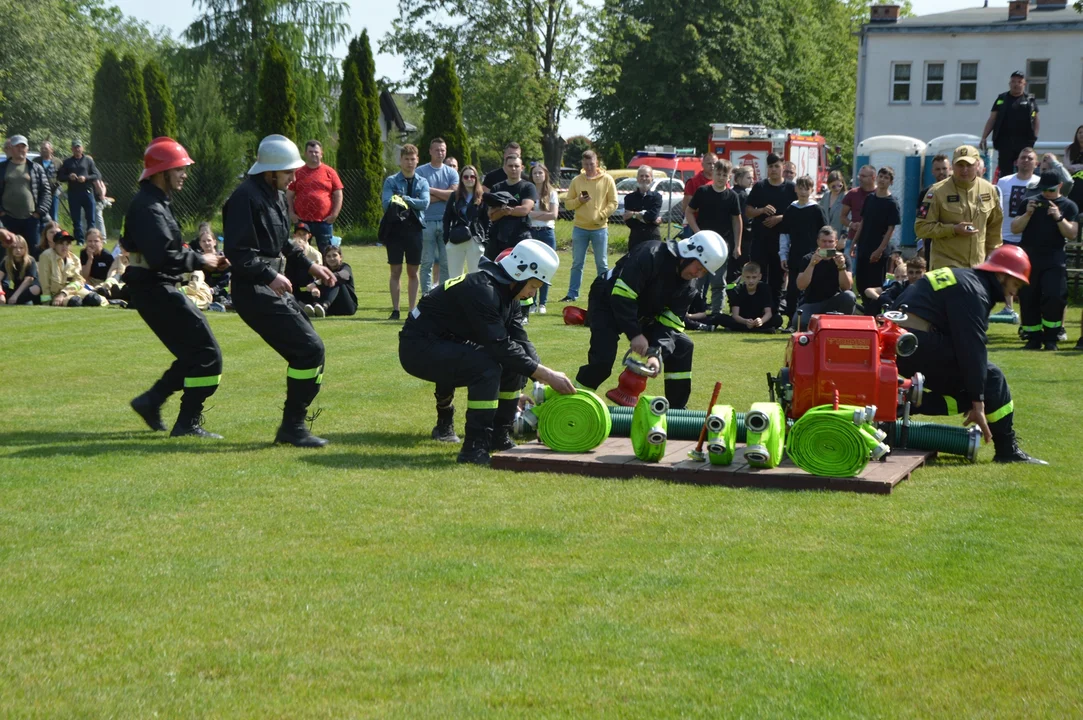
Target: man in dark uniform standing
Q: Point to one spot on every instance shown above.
(948, 311)
(468, 332)
(1013, 122)
(767, 201)
(257, 244)
(645, 297)
(157, 257)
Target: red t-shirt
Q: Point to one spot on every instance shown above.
(697, 181)
(312, 190)
(855, 198)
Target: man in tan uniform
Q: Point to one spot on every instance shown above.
(961, 214)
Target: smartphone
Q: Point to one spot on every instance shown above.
(828, 252)
(969, 227)
(1041, 205)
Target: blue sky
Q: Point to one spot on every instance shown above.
(377, 16)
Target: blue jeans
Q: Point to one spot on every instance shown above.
(55, 212)
(28, 229)
(599, 243)
(321, 233)
(80, 203)
(433, 251)
(549, 237)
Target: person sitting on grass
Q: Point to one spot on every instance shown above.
(94, 260)
(59, 273)
(218, 279)
(305, 287)
(824, 280)
(877, 300)
(45, 240)
(342, 298)
(114, 289)
(751, 306)
(19, 275)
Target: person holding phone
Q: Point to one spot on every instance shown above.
(824, 281)
(593, 197)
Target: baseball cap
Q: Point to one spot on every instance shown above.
(1018, 73)
(302, 227)
(77, 143)
(18, 140)
(966, 154)
(63, 236)
(1048, 181)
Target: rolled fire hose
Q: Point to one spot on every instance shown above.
(765, 427)
(682, 424)
(835, 443)
(649, 428)
(721, 434)
(572, 423)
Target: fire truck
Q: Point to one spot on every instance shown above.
(750, 144)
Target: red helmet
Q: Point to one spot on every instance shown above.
(574, 315)
(1010, 260)
(164, 154)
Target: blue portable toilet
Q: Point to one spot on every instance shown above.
(903, 155)
(945, 145)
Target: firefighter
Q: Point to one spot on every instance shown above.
(948, 311)
(468, 332)
(645, 297)
(962, 215)
(257, 231)
(157, 257)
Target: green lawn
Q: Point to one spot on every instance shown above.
(145, 576)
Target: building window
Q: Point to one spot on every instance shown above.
(934, 82)
(1038, 79)
(968, 81)
(900, 82)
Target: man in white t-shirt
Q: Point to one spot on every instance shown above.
(1014, 194)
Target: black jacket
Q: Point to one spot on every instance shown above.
(957, 301)
(83, 166)
(644, 287)
(651, 203)
(39, 188)
(256, 225)
(471, 217)
(479, 308)
(151, 230)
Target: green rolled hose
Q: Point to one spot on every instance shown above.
(682, 424)
(721, 434)
(572, 423)
(649, 428)
(765, 426)
(833, 442)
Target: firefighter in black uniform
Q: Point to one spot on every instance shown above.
(157, 259)
(948, 311)
(1013, 121)
(468, 331)
(257, 231)
(645, 297)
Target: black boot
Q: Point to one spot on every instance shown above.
(188, 424)
(501, 439)
(475, 450)
(292, 431)
(1034, 341)
(1008, 451)
(1050, 338)
(445, 421)
(149, 407)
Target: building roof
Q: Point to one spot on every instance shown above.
(984, 19)
(391, 111)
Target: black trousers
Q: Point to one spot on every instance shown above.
(1007, 154)
(944, 383)
(869, 274)
(338, 301)
(283, 325)
(676, 349)
(764, 252)
(183, 329)
(1042, 303)
(728, 322)
(492, 390)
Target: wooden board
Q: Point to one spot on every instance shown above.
(614, 459)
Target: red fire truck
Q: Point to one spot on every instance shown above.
(750, 144)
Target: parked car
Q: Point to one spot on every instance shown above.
(672, 194)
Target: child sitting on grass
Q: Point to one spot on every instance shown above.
(751, 307)
(305, 288)
(342, 298)
(19, 275)
(59, 273)
(877, 300)
(218, 279)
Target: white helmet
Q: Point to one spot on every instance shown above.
(531, 259)
(276, 152)
(707, 246)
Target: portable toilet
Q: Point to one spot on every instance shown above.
(945, 145)
(903, 155)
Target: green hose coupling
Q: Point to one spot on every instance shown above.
(649, 428)
(721, 434)
(765, 427)
(572, 423)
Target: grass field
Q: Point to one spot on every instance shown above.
(142, 576)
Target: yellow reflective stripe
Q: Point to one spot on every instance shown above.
(509, 395)
(1051, 323)
(205, 381)
(941, 278)
(623, 289)
(481, 404)
(671, 321)
(454, 281)
(309, 374)
(1001, 413)
(526, 302)
(677, 375)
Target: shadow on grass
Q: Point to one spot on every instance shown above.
(88, 444)
(384, 451)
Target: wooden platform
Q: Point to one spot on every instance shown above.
(614, 459)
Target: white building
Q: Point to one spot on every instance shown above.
(939, 74)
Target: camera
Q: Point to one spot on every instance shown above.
(828, 252)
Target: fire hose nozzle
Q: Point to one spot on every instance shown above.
(538, 393)
(906, 345)
(526, 422)
(638, 364)
(880, 451)
(716, 424)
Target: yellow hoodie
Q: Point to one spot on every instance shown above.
(594, 213)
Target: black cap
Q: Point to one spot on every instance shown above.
(63, 236)
(1019, 73)
(302, 227)
(1048, 181)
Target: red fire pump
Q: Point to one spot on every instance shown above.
(854, 355)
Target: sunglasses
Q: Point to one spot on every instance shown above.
(470, 177)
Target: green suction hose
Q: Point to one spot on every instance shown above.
(765, 426)
(649, 428)
(835, 443)
(572, 423)
(721, 434)
(950, 439)
(682, 424)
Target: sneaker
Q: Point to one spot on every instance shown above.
(1006, 314)
(474, 456)
(320, 312)
(216, 307)
(1034, 343)
(568, 298)
(541, 309)
(310, 311)
(394, 315)
(1051, 346)
(1062, 336)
